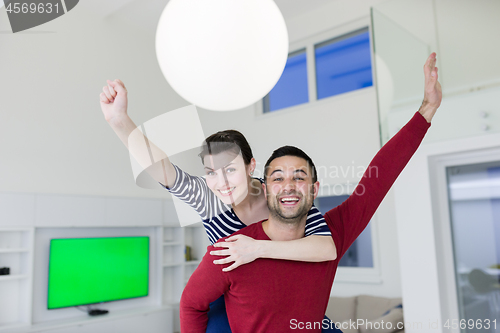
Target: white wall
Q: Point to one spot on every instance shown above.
(53, 136)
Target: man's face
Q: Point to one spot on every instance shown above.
(289, 188)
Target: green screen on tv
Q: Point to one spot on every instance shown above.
(93, 270)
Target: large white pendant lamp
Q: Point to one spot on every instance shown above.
(222, 55)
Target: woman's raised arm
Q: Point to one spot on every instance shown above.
(242, 249)
(114, 102)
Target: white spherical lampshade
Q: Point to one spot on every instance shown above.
(222, 55)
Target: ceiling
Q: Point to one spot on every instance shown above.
(291, 8)
(145, 13)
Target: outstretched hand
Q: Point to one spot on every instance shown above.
(240, 249)
(432, 92)
(114, 100)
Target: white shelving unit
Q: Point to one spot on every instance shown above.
(16, 252)
(176, 270)
(30, 221)
(195, 237)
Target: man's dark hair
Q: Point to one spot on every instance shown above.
(291, 151)
(227, 141)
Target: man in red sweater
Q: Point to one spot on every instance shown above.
(271, 295)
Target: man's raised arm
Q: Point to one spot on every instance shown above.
(206, 284)
(351, 218)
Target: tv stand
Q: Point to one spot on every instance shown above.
(97, 312)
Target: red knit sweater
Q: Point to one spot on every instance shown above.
(271, 295)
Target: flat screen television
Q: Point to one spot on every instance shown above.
(85, 271)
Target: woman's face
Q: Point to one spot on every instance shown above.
(227, 176)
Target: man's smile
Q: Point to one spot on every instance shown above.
(291, 200)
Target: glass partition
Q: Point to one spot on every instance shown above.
(462, 34)
(399, 56)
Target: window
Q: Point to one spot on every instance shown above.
(343, 64)
(360, 253)
(291, 88)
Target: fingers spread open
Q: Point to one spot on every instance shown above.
(233, 238)
(230, 268)
(220, 253)
(223, 261)
(222, 244)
